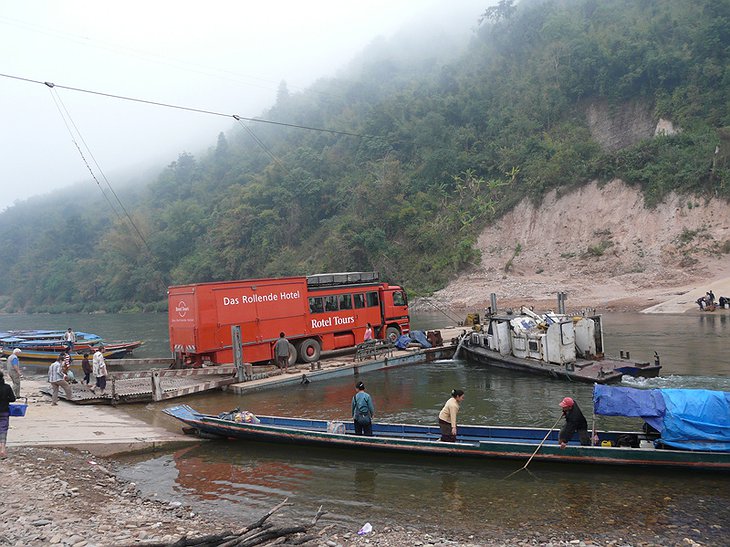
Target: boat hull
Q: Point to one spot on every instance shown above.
(111, 351)
(601, 371)
(484, 442)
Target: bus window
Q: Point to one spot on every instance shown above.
(315, 305)
(399, 298)
(345, 302)
(330, 303)
(359, 300)
(372, 298)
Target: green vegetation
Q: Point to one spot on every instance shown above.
(450, 142)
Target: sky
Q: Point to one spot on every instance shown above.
(224, 56)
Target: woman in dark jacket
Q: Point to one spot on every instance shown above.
(6, 397)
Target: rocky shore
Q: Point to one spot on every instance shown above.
(60, 498)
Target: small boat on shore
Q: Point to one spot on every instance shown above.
(555, 345)
(46, 344)
(47, 340)
(674, 443)
(115, 350)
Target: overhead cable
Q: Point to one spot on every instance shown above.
(187, 108)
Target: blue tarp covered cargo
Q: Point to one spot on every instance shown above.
(691, 419)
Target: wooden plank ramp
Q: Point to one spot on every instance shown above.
(152, 385)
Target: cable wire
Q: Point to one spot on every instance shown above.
(187, 108)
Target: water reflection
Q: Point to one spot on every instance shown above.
(241, 481)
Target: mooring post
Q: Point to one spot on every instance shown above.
(157, 391)
(237, 344)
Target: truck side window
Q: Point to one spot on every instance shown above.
(330, 303)
(399, 298)
(316, 305)
(372, 298)
(359, 300)
(345, 302)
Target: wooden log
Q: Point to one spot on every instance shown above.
(257, 533)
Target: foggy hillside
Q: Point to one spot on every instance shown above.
(409, 157)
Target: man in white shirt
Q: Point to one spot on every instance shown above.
(13, 365)
(70, 338)
(99, 368)
(57, 379)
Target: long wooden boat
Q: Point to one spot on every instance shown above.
(115, 350)
(47, 340)
(488, 442)
(559, 346)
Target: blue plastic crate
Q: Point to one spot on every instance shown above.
(18, 409)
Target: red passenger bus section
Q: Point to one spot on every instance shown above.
(317, 313)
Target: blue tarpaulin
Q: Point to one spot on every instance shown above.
(692, 419)
(626, 401)
(420, 337)
(403, 341)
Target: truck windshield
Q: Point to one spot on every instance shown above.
(399, 298)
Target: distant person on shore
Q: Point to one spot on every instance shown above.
(13, 365)
(70, 338)
(99, 369)
(281, 350)
(86, 367)
(6, 397)
(447, 416)
(57, 379)
(362, 411)
(368, 333)
(574, 422)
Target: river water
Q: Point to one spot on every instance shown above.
(243, 480)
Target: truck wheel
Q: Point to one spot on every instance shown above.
(392, 334)
(309, 350)
(292, 354)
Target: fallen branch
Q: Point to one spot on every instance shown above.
(257, 533)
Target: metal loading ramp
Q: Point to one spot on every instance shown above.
(151, 385)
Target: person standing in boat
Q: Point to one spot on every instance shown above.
(574, 422)
(362, 411)
(13, 365)
(99, 369)
(281, 351)
(447, 416)
(70, 338)
(57, 379)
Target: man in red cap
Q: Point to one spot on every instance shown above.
(574, 421)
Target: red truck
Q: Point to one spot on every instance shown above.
(317, 313)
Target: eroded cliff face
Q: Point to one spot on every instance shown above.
(617, 126)
(601, 245)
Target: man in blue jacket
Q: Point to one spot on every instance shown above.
(362, 411)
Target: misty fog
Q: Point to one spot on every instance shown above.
(226, 57)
